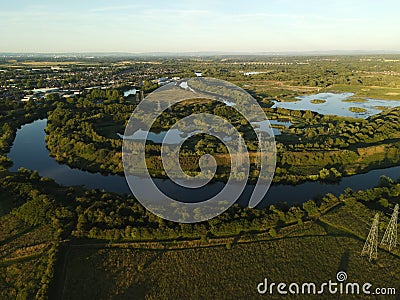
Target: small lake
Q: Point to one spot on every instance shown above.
(338, 104)
(264, 125)
(29, 151)
(130, 92)
(176, 136)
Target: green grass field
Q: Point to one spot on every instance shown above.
(362, 92)
(23, 258)
(230, 270)
(218, 273)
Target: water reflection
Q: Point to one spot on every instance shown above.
(339, 104)
(31, 136)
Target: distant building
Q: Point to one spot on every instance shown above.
(45, 90)
(69, 96)
(98, 87)
(198, 74)
(27, 98)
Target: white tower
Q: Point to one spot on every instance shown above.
(371, 244)
(390, 238)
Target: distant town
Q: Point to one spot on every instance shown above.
(24, 82)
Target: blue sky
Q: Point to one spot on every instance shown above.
(182, 26)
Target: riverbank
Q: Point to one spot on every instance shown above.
(32, 136)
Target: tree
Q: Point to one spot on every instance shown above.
(385, 181)
(310, 207)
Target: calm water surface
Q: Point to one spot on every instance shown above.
(338, 104)
(29, 151)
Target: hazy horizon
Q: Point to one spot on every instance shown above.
(275, 26)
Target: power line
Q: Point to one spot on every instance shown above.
(371, 244)
(390, 238)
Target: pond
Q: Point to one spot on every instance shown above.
(264, 125)
(130, 92)
(177, 136)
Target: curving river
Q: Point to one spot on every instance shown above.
(29, 151)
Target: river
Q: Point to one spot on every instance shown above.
(29, 151)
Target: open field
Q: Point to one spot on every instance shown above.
(363, 92)
(216, 272)
(24, 255)
(45, 64)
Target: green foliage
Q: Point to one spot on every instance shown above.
(82, 132)
(272, 232)
(310, 207)
(322, 147)
(385, 181)
(36, 211)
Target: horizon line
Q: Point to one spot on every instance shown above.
(211, 52)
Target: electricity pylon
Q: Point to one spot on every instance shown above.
(390, 238)
(371, 244)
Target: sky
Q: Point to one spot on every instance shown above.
(139, 26)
